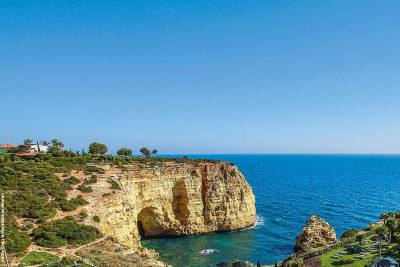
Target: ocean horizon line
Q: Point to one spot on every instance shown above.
(280, 154)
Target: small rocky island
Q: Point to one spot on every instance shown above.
(316, 233)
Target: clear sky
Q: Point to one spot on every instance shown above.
(203, 76)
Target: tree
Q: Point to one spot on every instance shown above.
(359, 239)
(28, 142)
(98, 148)
(392, 224)
(145, 152)
(56, 144)
(45, 143)
(124, 152)
(154, 152)
(386, 215)
(381, 232)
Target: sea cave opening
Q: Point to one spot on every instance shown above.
(148, 224)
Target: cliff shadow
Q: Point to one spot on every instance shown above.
(180, 202)
(148, 224)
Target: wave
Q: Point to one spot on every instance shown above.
(259, 221)
(208, 251)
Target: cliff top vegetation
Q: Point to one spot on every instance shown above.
(36, 186)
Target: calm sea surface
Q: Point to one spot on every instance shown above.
(347, 191)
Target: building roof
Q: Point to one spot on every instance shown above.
(22, 154)
(7, 145)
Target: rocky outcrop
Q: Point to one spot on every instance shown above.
(316, 233)
(172, 198)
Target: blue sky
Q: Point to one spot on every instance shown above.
(203, 76)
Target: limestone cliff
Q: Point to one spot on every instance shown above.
(172, 198)
(316, 233)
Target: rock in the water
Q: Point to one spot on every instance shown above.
(316, 233)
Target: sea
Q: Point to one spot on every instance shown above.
(348, 191)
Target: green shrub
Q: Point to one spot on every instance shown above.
(91, 180)
(73, 203)
(35, 258)
(124, 152)
(63, 232)
(57, 153)
(349, 233)
(91, 169)
(30, 204)
(97, 148)
(83, 214)
(85, 189)
(72, 180)
(114, 184)
(16, 241)
(96, 218)
(68, 261)
(293, 262)
(26, 227)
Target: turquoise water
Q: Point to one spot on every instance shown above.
(347, 191)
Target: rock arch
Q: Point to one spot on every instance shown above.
(180, 202)
(149, 224)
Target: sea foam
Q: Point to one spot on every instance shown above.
(208, 251)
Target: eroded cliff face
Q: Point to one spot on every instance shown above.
(174, 199)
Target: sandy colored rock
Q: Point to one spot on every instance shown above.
(172, 199)
(316, 233)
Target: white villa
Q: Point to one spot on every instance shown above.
(39, 148)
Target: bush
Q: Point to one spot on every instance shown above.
(30, 204)
(114, 184)
(68, 261)
(57, 153)
(73, 204)
(124, 152)
(145, 151)
(91, 180)
(72, 180)
(16, 241)
(97, 148)
(349, 233)
(83, 214)
(65, 231)
(293, 262)
(35, 258)
(90, 169)
(85, 189)
(96, 218)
